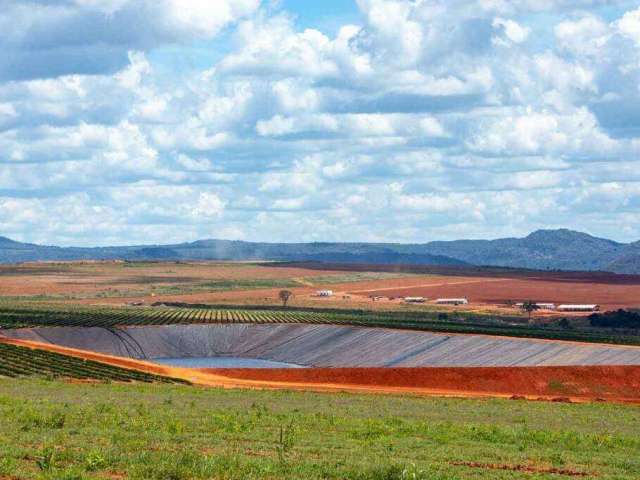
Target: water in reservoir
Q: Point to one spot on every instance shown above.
(224, 362)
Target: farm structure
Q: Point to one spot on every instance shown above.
(415, 299)
(452, 301)
(324, 293)
(579, 308)
(540, 305)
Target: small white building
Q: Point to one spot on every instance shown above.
(415, 299)
(452, 301)
(579, 308)
(541, 306)
(546, 306)
(324, 293)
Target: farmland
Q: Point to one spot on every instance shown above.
(499, 291)
(118, 281)
(53, 430)
(21, 314)
(18, 361)
(98, 327)
(217, 283)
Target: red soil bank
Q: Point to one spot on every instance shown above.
(617, 383)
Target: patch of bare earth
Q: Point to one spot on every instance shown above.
(524, 468)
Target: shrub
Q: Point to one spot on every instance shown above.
(564, 323)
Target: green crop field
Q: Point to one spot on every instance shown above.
(25, 314)
(54, 430)
(20, 361)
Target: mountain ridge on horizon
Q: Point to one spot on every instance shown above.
(560, 249)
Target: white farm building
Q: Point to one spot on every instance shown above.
(324, 293)
(415, 299)
(579, 308)
(541, 306)
(452, 301)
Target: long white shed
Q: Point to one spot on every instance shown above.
(452, 301)
(579, 308)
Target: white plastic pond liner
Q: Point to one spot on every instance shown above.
(330, 346)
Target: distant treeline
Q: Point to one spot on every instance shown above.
(616, 319)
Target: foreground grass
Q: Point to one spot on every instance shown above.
(54, 430)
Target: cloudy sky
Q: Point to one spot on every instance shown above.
(158, 121)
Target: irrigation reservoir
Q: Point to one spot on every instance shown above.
(324, 346)
(357, 359)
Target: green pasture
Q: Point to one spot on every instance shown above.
(55, 430)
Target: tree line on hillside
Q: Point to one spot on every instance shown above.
(616, 319)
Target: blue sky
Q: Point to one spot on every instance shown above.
(140, 121)
(327, 15)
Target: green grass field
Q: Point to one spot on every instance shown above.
(55, 430)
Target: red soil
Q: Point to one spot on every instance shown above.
(523, 468)
(609, 291)
(620, 383)
(495, 291)
(486, 288)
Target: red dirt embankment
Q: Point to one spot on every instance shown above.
(613, 383)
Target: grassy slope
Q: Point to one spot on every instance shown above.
(57, 430)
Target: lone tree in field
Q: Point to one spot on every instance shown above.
(285, 295)
(530, 306)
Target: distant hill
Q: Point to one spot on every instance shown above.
(543, 250)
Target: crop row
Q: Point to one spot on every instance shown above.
(18, 361)
(107, 318)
